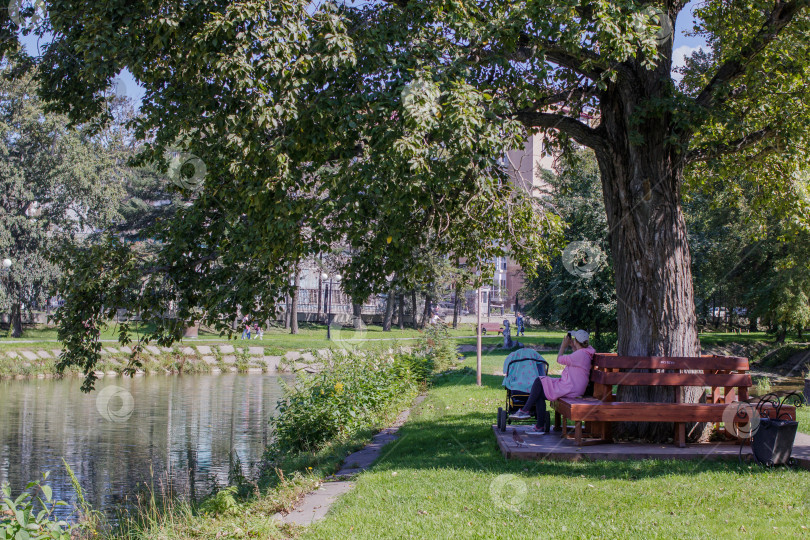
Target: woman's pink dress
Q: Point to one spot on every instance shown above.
(574, 378)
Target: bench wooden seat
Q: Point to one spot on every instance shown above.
(491, 327)
(726, 378)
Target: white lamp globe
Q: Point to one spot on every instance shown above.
(325, 276)
(6, 263)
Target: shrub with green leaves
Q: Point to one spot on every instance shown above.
(22, 519)
(438, 347)
(356, 392)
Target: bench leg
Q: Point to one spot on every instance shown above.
(556, 421)
(680, 434)
(564, 428)
(578, 432)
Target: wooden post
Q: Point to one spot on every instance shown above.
(478, 337)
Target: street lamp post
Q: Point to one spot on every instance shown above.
(328, 291)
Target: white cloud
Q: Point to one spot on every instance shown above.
(679, 55)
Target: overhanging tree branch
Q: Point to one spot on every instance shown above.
(781, 15)
(577, 130)
(564, 96)
(705, 153)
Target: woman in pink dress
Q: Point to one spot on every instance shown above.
(573, 382)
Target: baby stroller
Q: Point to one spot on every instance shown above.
(521, 368)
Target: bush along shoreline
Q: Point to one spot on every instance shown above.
(321, 419)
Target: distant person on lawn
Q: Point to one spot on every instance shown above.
(246, 330)
(573, 382)
(519, 324)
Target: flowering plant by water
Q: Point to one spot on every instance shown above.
(356, 392)
(30, 515)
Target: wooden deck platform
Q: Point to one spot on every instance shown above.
(515, 443)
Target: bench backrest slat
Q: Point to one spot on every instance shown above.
(671, 379)
(730, 363)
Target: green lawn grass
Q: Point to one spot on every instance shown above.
(446, 478)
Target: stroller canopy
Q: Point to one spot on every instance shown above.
(522, 368)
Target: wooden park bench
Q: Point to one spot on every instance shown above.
(726, 377)
(491, 327)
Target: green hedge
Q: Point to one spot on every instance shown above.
(355, 393)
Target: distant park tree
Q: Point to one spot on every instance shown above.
(750, 261)
(577, 290)
(412, 104)
(58, 185)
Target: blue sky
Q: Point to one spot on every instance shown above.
(683, 47)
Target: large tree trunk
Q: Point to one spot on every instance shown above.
(357, 319)
(425, 312)
(401, 316)
(456, 305)
(15, 320)
(294, 302)
(415, 322)
(655, 299)
(389, 310)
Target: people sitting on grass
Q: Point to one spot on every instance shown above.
(573, 382)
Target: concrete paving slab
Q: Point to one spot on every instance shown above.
(43, 354)
(166, 349)
(29, 355)
(226, 349)
(111, 350)
(517, 443)
(308, 357)
(126, 349)
(229, 359)
(188, 351)
(292, 355)
(316, 504)
(56, 352)
(152, 349)
(256, 350)
(272, 363)
(324, 353)
(309, 368)
(12, 354)
(208, 359)
(204, 349)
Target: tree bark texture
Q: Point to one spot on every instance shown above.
(456, 306)
(15, 320)
(641, 184)
(425, 312)
(401, 316)
(389, 310)
(415, 321)
(357, 318)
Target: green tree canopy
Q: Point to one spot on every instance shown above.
(58, 185)
(353, 123)
(577, 290)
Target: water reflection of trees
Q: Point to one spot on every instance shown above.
(179, 439)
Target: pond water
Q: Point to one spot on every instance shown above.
(175, 434)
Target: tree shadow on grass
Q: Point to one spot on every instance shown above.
(457, 434)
